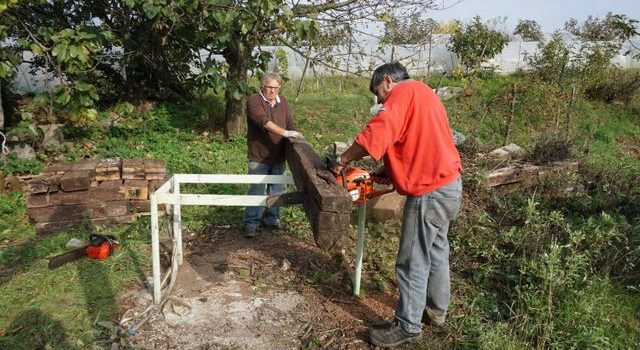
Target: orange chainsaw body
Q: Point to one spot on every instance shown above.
(360, 184)
(101, 251)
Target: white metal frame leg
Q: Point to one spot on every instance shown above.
(155, 248)
(362, 210)
(177, 222)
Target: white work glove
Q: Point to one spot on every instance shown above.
(375, 108)
(292, 134)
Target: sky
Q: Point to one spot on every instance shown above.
(550, 14)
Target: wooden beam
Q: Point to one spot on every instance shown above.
(526, 174)
(79, 212)
(327, 204)
(92, 195)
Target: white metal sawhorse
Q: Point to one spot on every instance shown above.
(169, 193)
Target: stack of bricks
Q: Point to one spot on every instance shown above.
(94, 192)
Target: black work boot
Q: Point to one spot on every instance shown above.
(392, 335)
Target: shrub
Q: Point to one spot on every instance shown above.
(549, 149)
(616, 86)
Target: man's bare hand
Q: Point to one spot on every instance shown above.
(336, 167)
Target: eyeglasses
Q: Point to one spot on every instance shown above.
(272, 87)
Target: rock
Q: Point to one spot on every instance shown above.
(23, 150)
(53, 137)
(508, 152)
(386, 207)
(449, 92)
(458, 137)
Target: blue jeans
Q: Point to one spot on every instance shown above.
(422, 266)
(252, 215)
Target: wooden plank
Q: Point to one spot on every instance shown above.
(327, 204)
(92, 195)
(133, 166)
(109, 166)
(76, 180)
(154, 166)
(86, 164)
(38, 185)
(311, 175)
(46, 228)
(107, 177)
(58, 168)
(110, 184)
(156, 176)
(136, 189)
(140, 206)
(143, 207)
(54, 182)
(79, 211)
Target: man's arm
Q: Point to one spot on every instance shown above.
(274, 128)
(354, 152)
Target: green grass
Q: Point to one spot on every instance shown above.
(508, 252)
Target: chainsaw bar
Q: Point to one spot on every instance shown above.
(64, 258)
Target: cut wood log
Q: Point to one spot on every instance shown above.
(527, 173)
(136, 189)
(92, 195)
(327, 205)
(77, 180)
(45, 228)
(79, 212)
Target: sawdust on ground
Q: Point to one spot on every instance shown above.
(238, 293)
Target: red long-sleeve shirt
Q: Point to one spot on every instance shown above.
(412, 135)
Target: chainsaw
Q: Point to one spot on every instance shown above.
(100, 247)
(361, 184)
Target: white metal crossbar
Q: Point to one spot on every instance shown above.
(169, 193)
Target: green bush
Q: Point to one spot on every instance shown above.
(616, 86)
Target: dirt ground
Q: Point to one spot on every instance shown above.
(261, 293)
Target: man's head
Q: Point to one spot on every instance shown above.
(270, 86)
(385, 77)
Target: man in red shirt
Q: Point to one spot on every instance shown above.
(411, 133)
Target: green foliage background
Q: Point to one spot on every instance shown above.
(541, 269)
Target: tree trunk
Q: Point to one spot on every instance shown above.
(239, 60)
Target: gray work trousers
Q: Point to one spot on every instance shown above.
(422, 266)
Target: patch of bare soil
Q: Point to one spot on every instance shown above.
(262, 293)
